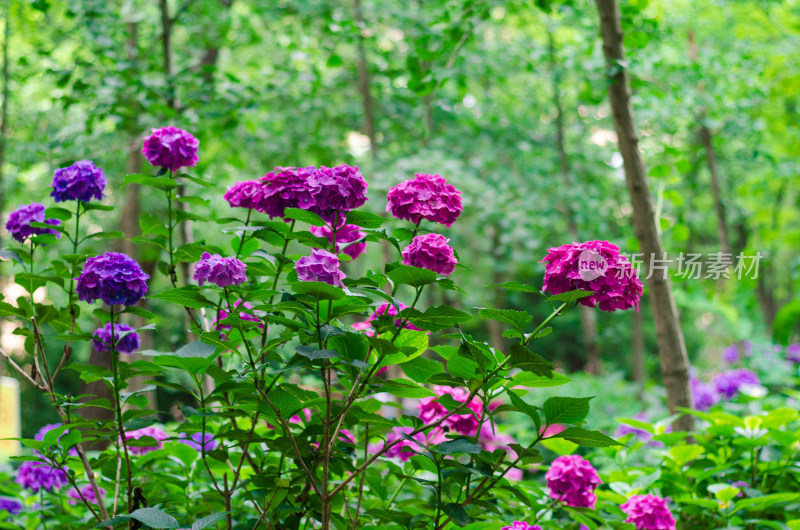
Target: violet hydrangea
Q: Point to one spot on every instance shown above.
(114, 278)
(519, 525)
(244, 315)
(595, 266)
(12, 506)
(406, 448)
(198, 441)
(219, 271)
(337, 189)
(704, 395)
(648, 512)
(35, 476)
(729, 383)
(425, 197)
(19, 222)
(129, 343)
(346, 235)
(320, 266)
(82, 181)
(384, 309)
(793, 352)
(171, 148)
(572, 480)
(88, 493)
(430, 251)
(246, 194)
(152, 432)
(286, 187)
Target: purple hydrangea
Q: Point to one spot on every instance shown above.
(704, 395)
(19, 222)
(196, 441)
(729, 383)
(12, 506)
(88, 493)
(648, 512)
(114, 278)
(152, 432)
(244, 315)
(425, 197)
(37, 476)
(286, 187)
(430, 251)
(246, 194)
(219, 271)
(639, 434)
(793, 352)
(730, 354)
(572, 480)
(127, 344)
(82, 181)
(337, 189)
(344, 234)
(407, 448)
(519, 525)
(595, 266)
(320, 266)
(171, 148)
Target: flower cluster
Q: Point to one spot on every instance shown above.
(704, 395)
(729, 383)
(337, 189)
(35, 476)
(82, 181)
(171, 148)
(285, 187)
(129, 343)
(427, 197)
(88, 493)
(147, 432)
(198, 441)
(114, 278)
(430, 410)
(19, 222)
(346, 235)
(430, 251)
(246, 194)
(385, 309)
(519, 525)
(220, 271)
(648, 512)
(572, 480)
(595, 266)
(406, 448)
(320, 266)
(12, 506)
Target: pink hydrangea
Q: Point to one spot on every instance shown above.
(88, 493)
(572, 480)
(152, 432)
(286, 187)
(384, 309)
(430, 251)
(337, 189)
(246, 194)
(171, 148)
(345, 236)
(467, 424)
(595, 266)
(425, 197)
(320, 266)
(648, 512)
(406, 448)
(492, 441)
(219, 271)
(519, 525)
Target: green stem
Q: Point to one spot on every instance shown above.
(173, 276)
(118, 406)
(275, 283)
(75, 243)
(546, 321)
(244, 233)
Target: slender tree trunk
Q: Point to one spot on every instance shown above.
(364, 82)
(719, 208)
(672, 349)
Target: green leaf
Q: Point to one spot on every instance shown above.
(314, 354)
(530, 380)
(524, 359)
(787, 319)
(364, 219)
(587, 438)
(154, 518)
(185, 296)
(525, 408)
(457, 513)
(208, 521)
(461, 445)
(413, 276)
(566, 410)
(163, 183)
(435, 318)
(411, 343)
(571, 296)
(318, 290)
(54, 212)
(305, 216)
(516, 286)
(421, 369)
(405, 388)
(518, 319)
(6, 254)
(113, 234)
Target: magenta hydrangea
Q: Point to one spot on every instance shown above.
(467, 424)
(595, 266)
(129, 343)
(114, 278)
(320, 266)
(572, 480)
(793, 352)
(648, 512)
(337, 189)
(431, 251)
(12, 506)
(704, 395)
(345, 237)
(88, 493)
(244, 315)
(384, 309)
(152, 432)
(220, 271)
(246, 194)
(35, 476)
(171, 148)
(729, 383)
(406, 448)
(425, 197)
(286, 187)
(197, 441)
(19, 222)
(82, 181)
(519, 525)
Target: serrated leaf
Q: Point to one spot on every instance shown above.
(305, 216)
(571, 296)
(154, 518)
(524, 359)
(526, 408)
(315, 354)
(208, 520)
(461, 445)
(185, 296)
(435, 318)
(457, 513)
(566, 410)
(518, 319)
(516, 286)
(364, 219)
(587, 438)
(405, 388)
(413, 276)
(318, 290)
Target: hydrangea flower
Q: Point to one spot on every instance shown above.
(406, 448)
(12, 506)
(320, 266)
(35, 476)
(729, 383)
(114, 278)
(519, 525)
(19, 222)
(286, 187)
(595, 266)
(793, 352)
(88, 493)
(244, 315)
(384, 309)
(572, 480)
(171, 148)
(430, 251)
(127, 344)
(639, 434)
(344, 234)
(152, 432)
(197, 441)
(425, 197)
(648, 512)
(219, 271)
(246, 194)
(704, 395)
(82, 181)
(337, 189)
(467, 424)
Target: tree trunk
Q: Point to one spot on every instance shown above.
(364, 82)
(587, 314)
(672, 349)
